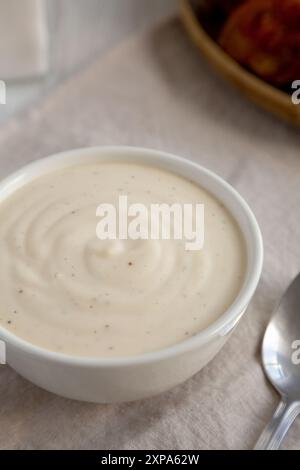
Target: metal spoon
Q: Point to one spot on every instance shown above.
(281, 361)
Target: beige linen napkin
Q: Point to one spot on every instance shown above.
(156, 91)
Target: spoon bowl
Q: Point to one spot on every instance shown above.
(280, 344)
(281, 362)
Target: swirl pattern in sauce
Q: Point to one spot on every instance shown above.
(67, 291)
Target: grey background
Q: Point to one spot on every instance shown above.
(79, 30)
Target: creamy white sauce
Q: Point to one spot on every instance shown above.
(67, 291)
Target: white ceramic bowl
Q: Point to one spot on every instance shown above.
(110, 380)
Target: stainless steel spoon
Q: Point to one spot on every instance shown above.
(281, 361)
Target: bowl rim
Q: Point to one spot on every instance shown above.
(262, 93)
(217, 328)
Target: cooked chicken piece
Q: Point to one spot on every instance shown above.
(264, 35)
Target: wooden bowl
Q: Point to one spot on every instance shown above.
(265, 95)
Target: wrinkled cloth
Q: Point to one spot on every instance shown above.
(156, 91)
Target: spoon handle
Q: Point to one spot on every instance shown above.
(277, 428)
